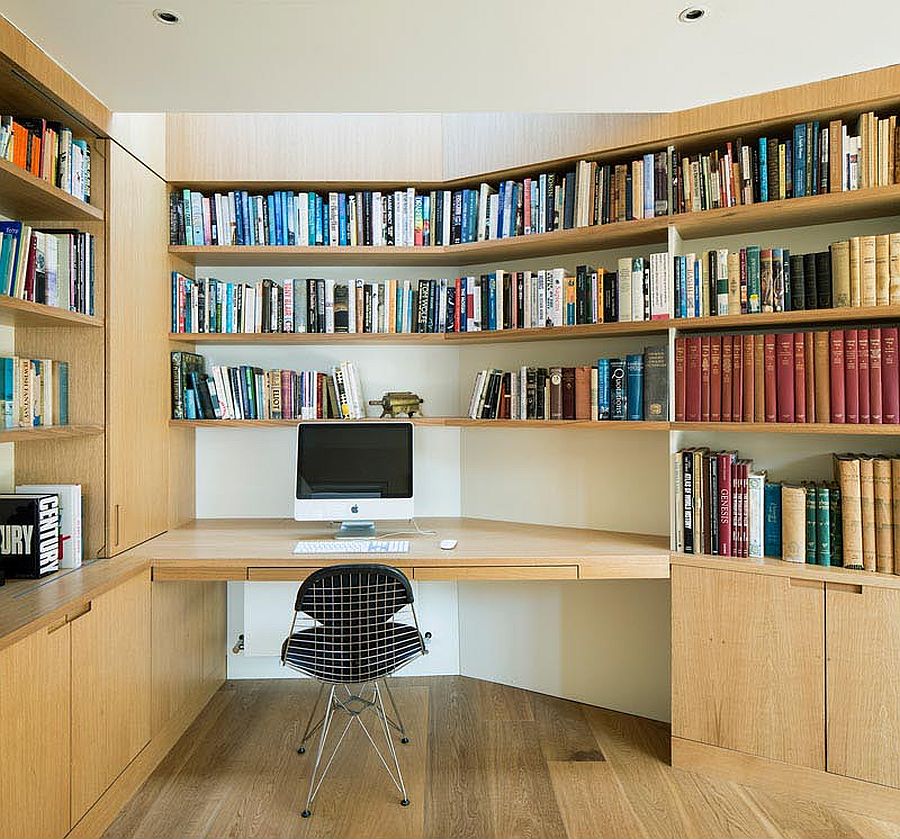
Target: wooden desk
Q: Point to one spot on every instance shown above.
(262, 549)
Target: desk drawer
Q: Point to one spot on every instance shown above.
(198, 572)
(497, 572)
(278, 575)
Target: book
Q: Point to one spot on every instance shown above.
(793, 523)
(29, 534)
(71, 548)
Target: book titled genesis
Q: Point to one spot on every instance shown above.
(29, 534)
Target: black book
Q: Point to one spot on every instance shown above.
(823, 279)
(29, 534)
(569, 208)
(437, 234)
(422, 307)
(711, 507)
(508, 301)
(540, 390)
(367, 308)
(450, 325)
(183, 364)
(656, 384)
(618, 399)
(772, 166)
(388, 208)
(200, 385)
(456, 220)
(810, 283)
(320, 304)
(550, 203)
(341, 307)
(433, 298)
(520, 299)
(786, 279)
(629, 195)
(485, 300)
(174, 233)
(687, 500)
(610, 297)
(798, 287)
(367, 218)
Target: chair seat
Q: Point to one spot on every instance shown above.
(338, 655)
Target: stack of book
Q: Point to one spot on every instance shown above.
(33, 392)
(54, 267)
(631, 388)
(725, 507)
(833, 375)
(252, 393)
(47, 150)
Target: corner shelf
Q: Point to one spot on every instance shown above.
(443, 422)
(17, 312)
(49, 432)
(847, 429)
(25, 196)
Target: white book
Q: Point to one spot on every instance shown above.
(476, 392)
(756, 485)
(377, 233)
(482, 225)
(637, 288)
(410, 216)
(558, 279)
(493, 216)
(541, 286)
(624, 278)
(302, 218)
(70, 517)
(722, 275)
(249, 308)
(448, 215)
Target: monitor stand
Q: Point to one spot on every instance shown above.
(356, 530)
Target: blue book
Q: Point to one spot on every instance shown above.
(174, 327)
(190, 405)
(697, 283)
(279, 232)
(464, 223)
(245, 215)
(229, 303)
(238, 219)
(603, 388)
(9, 255)
(763, 169)
(799, 180)
(319, 219)
(270, 231)
(285, 219)
(342, 219)
(311, 218)
(492, 302)
(634, 383)
(815, 150)
(772, 520)
(649, 202)
(326, 224)
(501, 194)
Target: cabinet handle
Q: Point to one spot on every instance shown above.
(56, 626)
(850, 588)
(80, 614)
(116, 525)
(799, 583)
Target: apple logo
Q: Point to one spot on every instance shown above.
(354, 508)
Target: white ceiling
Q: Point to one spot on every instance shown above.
(458, 55)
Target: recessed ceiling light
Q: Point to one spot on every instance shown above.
(167, 16)
(692, 14)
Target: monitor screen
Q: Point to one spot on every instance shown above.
(354, 460)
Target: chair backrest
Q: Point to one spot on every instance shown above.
(352, 624)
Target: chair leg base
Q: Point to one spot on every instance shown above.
(404, 802)
(404, 739)
(306, 814)
(301, 750)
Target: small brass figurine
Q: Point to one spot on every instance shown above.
(396, 402)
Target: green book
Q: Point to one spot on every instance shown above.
(753, 288)
(811, 540)
(835, 525)
(823, 526)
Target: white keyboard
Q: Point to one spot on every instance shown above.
(353, 546)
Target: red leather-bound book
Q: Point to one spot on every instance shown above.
(704, 378)
(727, 384)
(715, 378)
(680, 378)
(836, 366)
(771, 389)
(692, 391)
(748, 378)
(890, 377)
(723, 501)
(809, 352)
(784, 376)
(876, 408)
(862, 364)
(799, 377)
(737, 379)
(851, 377)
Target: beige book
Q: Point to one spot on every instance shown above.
(840, 273)
(854, 272)
(882, 270)
(847, 474)
(895, 504)
(793, 523)
(894, 267)
(884, 516)
(867, 511)
(867, 285)
(734, 282)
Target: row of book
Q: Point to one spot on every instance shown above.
(726, 507)
(33, 392)
(632, 388)
(815, 158)
(49, 151)
(249, 392)
(832, 375)
(54, 267)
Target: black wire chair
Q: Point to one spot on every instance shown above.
(353, 626)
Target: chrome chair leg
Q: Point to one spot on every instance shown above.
(387, 736)
(310, 729)
(399, 720)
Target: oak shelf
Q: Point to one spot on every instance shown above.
(858, 429)
(445, 422)
(17, 312)
(49, 432)
(287, 338)
(25, 196)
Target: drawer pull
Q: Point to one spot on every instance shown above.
(849, 588)
(80, 614)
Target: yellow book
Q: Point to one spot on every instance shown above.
(894, 268)
(867, 283)
(855, 295)
(840, 273)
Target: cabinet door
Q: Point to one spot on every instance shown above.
(748, 663)
(137, 354)
(863, 682)
(34, 735)
(110, 689)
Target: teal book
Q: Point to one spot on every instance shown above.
(772, 520)
(62, 392)
(823, 526)
(634, 382)
(753, 285)
(7, 385)
(811, 506)
(835, 525)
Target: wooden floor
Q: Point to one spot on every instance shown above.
(485, 761)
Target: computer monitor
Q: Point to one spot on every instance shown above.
(354, 473)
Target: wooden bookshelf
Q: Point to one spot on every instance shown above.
(25, 196)
(292, 423)
(241, 256)
(16, 312)
(288, 338)
(49, 432)
(843, 429)
(444, 422)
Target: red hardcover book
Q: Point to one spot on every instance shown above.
(769, 358)
(748, 378)
(784, 377)
(809, 352)
(876, 408)
(692, 390)
(836, 366)
(862, 364)
(851, 377)
(799, 377)
(727, 384)
(458, 309)
(745, 508)
(715, 378)
(737, 379)
(890, 379)
(735, 508)
(704, 378)
(723, 501)
(680, 378)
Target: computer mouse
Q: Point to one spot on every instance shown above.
(448, 544)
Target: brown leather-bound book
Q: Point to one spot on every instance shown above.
(680, 378)
(784, 377)
(809, 350)
(882, 270)
(704, 378)
(847, 475)
(715, 378)
(890, 376)
(884, 516)
(851, 377)
(835, 163)
(583, 392)
(793, 523)
(748, 378)
(799, 377)
(867, 510)
(862, 362)
(759, 379)
(737, 379)
(771, 380)
(836, 349)
(840, 273)
(855, 282)
(867, 283)
(568, 393)
(895, 509)
(822, 376)
(875, 373)
(727, 385)
(556, 406)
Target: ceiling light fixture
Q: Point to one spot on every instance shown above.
(166, 16)
(692, 14)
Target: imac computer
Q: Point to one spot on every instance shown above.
(354, 473)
